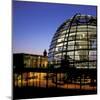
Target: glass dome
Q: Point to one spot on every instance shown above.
(74, 44)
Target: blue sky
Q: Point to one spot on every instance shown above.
(34, 23)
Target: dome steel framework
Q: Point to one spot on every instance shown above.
(75, 43)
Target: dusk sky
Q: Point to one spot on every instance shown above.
(34, 23)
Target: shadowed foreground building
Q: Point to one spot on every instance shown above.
(24, 66)
(22, 60)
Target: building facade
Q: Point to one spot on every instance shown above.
(22, 60)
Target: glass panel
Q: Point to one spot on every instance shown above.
(77, 57)
(71, 43)
(82, 26)
(60, 44)
(60, 40)
(70, 53)
(92, 65)
(70, 48)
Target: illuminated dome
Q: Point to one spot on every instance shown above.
(74, 44)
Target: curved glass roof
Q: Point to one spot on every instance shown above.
(74, 43)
